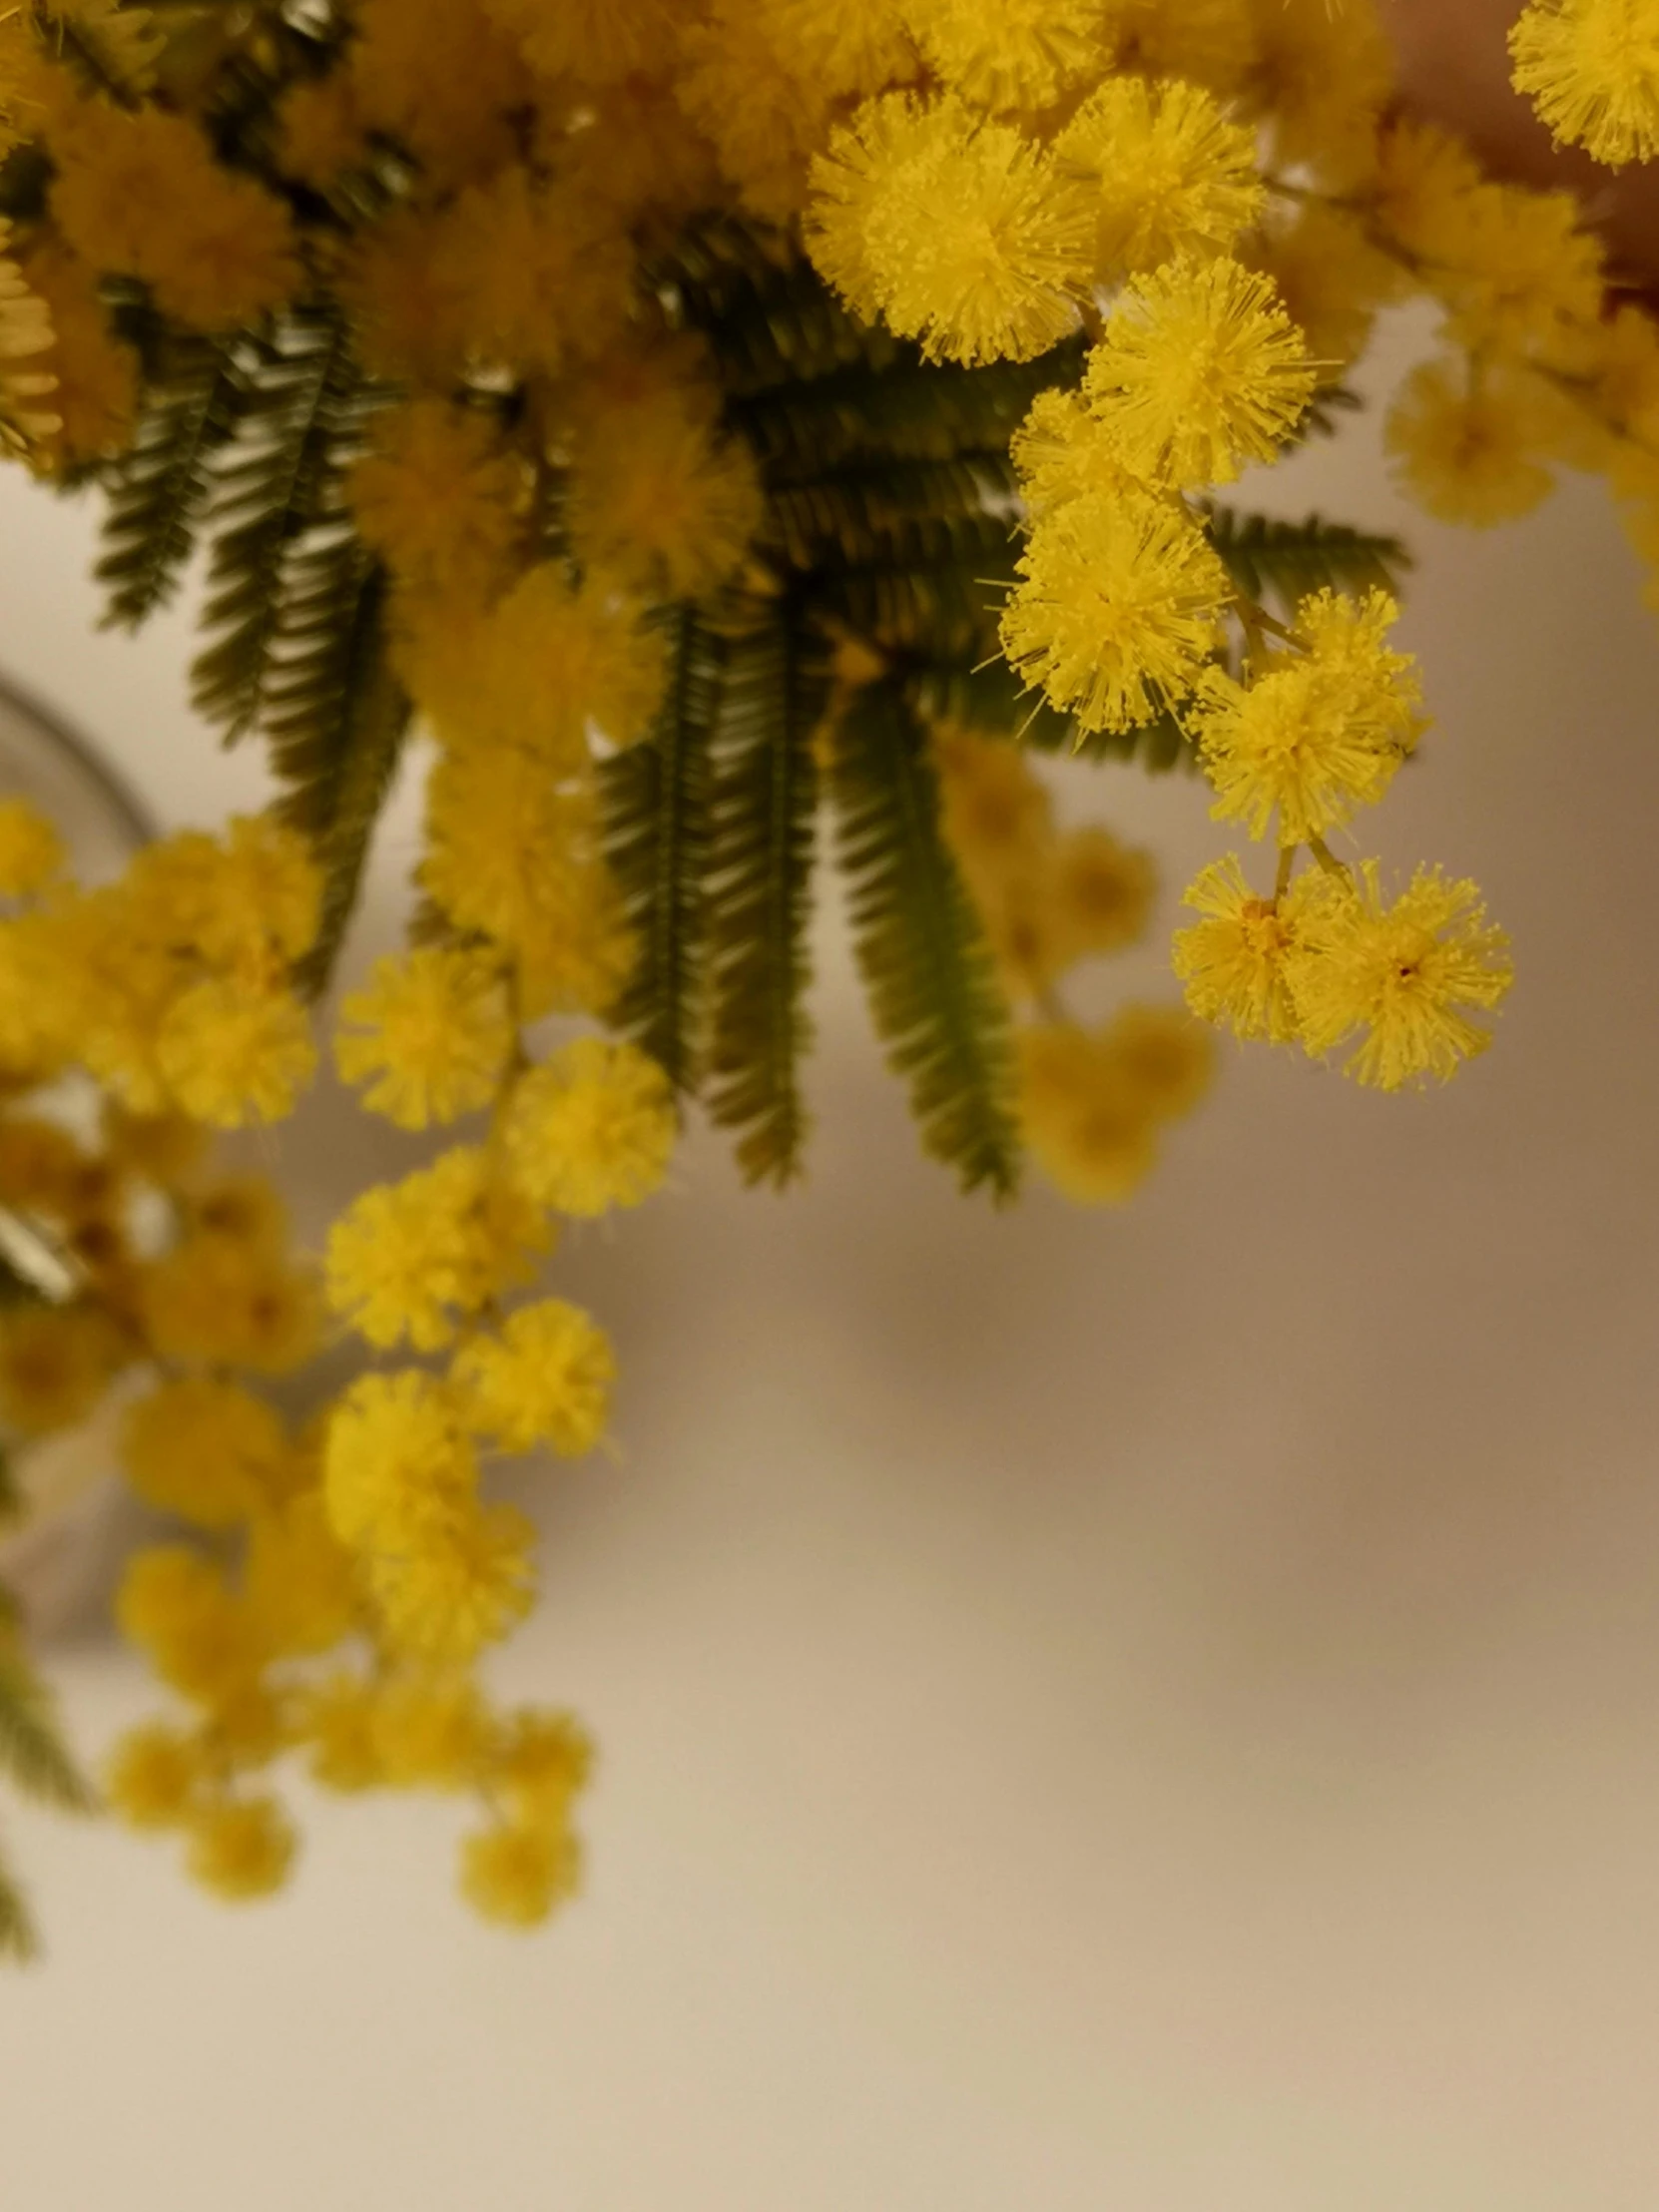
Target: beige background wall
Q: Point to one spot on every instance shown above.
(1153, 1711)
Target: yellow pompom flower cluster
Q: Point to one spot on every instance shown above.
(1316, 730)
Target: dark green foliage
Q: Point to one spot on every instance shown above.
(32, 1757)
(252, 449)
(19, 1942)
(278, 482)
(1325, 409)
(657, 802)
(25, 174)
(335, 717)
(925, 966)
(35, 1761)
(1268, 558)
(158, 492)
(11, 1498)
(766, 800)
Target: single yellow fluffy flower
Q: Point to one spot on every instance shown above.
(961, 231)
(660, 503)
(154, 1777)
(1164, 1058)
(248, 1209)
(1019, 54)
(516, 1875)
(207, 1451)
(996, 809)
(1117, 610)
(741, 84)
(440, 77)
(31, 851)
(1200, 371)
(44, 1171)
(1469, 445)
(544, 666)
(1414, 974)
(1322, 71)
(546, 1379)
(430, 1036)
(539, 281)
(1172, 175)
(1521, 272)
(1320, 731)
(226, 1302)
(336, 1718)
(408, 297)
(466, 1582)
(1234, 959)
(1063, 450)
(539, 1764)
(591, 1128)
(1209, 42)
(298, 1583)
(159, 1148)
(441, 497)
(1085, 1127)
(320, 129)
(240, 1848)
(1101, 893)
(432, 1734)
(394, 1265)
(173, 1604)
(1592, 70)
(230, 1056)
(593, 42)
(1332, 281)
(396, 1463)
(55, 1361)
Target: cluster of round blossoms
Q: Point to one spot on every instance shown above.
(346, 1576)
(634, 396)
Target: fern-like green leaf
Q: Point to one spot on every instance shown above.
(657, 795)
(766, 800)
(19, 1940)
(158, 491)
(32, 1755)
(925, 966)
(1287, 560)
(276, 482)
(335, 717)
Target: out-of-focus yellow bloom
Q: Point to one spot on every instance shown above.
(546, 1379)
(1470, 446)
(154, 1777)
(591, 1128)
(240, 1848)
(517, 1873)
(204, 1449)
